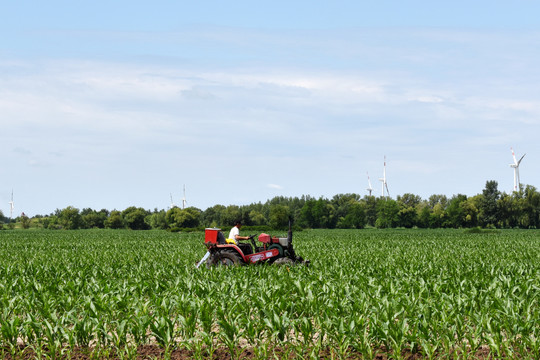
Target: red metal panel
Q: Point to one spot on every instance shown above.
(264, 238)
(263, 255)
(210, 235)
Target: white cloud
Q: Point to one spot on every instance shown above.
(335, 109)
(429, 99)
(198, 93)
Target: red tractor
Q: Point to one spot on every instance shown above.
(274, 250)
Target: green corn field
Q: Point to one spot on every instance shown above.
(433, 294)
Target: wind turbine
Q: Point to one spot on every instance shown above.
(515, 165)
(11, 206)
(384, 184)
(184, 202)
(173, 205)
(370, 188)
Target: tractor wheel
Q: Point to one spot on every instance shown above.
(224, 258)
(284, 261)
(277, 246)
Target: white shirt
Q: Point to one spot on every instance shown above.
(234, 232)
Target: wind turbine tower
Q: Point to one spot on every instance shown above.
(384, 184)
(515, 165)
(173, 205)
(184, 202)
(11, 206)
(370, 188)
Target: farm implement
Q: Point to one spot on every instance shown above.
(270, 249)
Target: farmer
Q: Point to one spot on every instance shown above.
(234, 234)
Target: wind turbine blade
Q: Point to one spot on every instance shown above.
(521, 159)
(514, 156)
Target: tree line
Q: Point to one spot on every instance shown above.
(489, 209)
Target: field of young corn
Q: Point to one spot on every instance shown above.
(367, 294)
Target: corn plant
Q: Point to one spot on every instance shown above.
(433, 293)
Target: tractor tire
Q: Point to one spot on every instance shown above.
(284, 261)
(278, 247)
(224, 258)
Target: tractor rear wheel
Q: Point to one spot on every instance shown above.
(224, 258)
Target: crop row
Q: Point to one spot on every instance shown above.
(437, 293)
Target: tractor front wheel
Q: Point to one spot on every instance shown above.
(224, 258)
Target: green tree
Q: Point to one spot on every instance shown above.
(69, 218)
(93, 219)
(529, 207)
(183, 218)
(437, 199)
(324, 214)
(51, 222)
(489, 211)
(342, 204)
(508, 214)
(470, 210)
(387, 214)
(257, 218)
(438, 216)
(115, 220)
(211, 217)
(409, 200)
(319, 213)
(279, 217)
(307, 218)
(355, 218)
(134, 218)
(157, 220)
(25, 221)
(230, 215)
(191, 217)
(423, 215)
(371, 209)
(455, 213)
(437, 204)
(408, 213)
(407, 217)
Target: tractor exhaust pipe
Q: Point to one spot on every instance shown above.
(292, 253)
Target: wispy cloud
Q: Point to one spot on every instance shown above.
(336, 100)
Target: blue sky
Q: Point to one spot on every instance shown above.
(113, 104)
